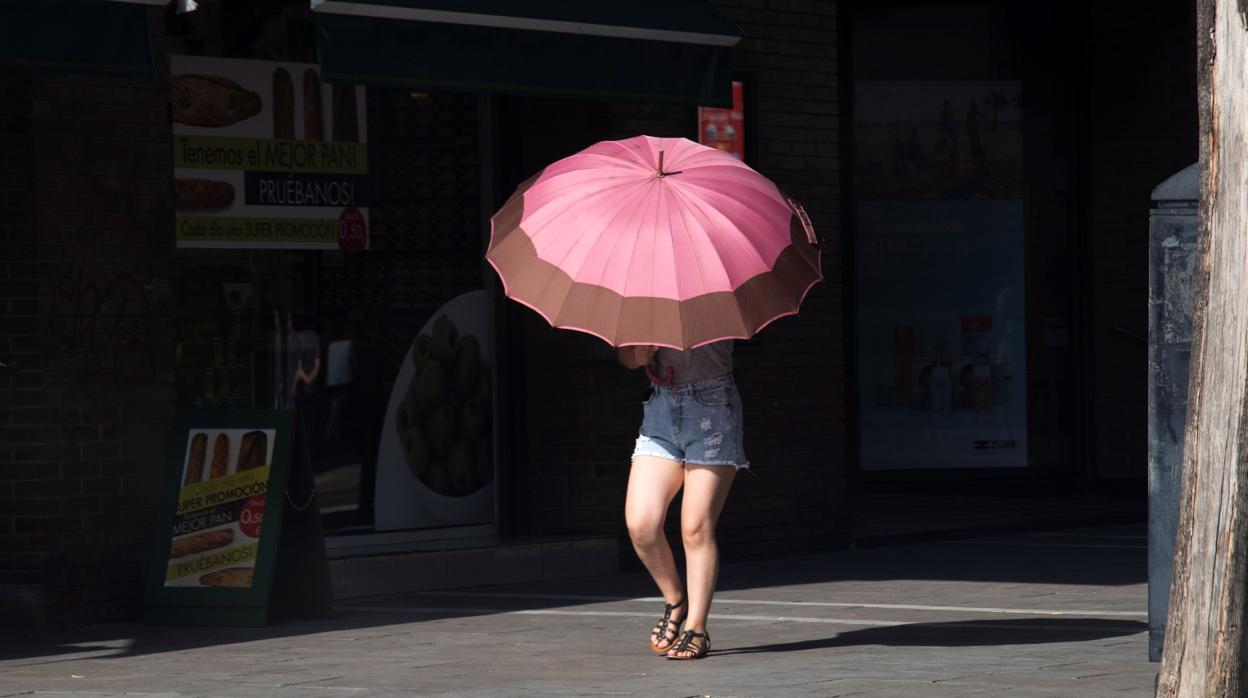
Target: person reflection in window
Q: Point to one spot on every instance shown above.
(303, 359)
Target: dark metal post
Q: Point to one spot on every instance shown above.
(1171, 301)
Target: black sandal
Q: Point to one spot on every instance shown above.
(698, 643)
(667, 626)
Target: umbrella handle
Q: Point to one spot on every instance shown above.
(654, 378)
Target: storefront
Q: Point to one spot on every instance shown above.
(256, 221)
(348, 286)
(332, 216)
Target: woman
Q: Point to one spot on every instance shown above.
(690, 437)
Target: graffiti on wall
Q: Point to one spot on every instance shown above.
(105, 323)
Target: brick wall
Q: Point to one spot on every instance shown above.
(20, 378)
(584, 410)
(89, 325)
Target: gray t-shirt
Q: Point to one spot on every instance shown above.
(705, 362)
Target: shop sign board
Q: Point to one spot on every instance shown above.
(238, 540)
(724, 129)
(266, 156)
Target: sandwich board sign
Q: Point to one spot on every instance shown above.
(238, 538)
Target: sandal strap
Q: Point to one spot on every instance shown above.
(667, 612)
(666, 625)
(665, 628)
(686, 641)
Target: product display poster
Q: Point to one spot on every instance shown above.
(435, 462)
(215, 536)
(941, 346)
(940, 264)
(267, 156)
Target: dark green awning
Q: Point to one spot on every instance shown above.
(91, 36)
(668, 51)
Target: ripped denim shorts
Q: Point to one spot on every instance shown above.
(696, 424)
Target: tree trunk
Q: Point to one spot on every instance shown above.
(1204, 654)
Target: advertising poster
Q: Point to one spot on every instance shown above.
(725, 128)
(267, 156)
(941, 309)
(435, 464)
(215, 538)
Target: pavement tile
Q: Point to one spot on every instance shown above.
(1022, 616)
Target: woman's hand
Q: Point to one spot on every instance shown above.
(643, 355)
(636, 356)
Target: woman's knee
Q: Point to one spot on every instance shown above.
(697, 532)
(644, 528)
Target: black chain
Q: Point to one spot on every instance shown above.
(296, 507)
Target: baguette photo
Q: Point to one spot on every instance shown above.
(195, 459)
(232, 577)
(200, 542)
(313, 119)
(220, 456)
(283, 105)
(252, 452)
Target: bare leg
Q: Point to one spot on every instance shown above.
(652, 484)
(706, 489)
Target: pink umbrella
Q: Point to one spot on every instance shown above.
(654, 241)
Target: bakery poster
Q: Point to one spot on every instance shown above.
(215, 537)
(724, 129)
(267, 156)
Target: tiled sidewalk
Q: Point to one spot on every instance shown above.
(1056, 614)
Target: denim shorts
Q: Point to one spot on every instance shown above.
(696, 424)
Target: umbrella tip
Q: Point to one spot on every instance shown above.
(661, 172)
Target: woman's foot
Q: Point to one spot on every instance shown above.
(666, 631)
(691, 645)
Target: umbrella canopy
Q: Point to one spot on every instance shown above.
(654, 241)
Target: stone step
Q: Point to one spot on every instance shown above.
(468, 562)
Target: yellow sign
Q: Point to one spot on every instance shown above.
(288, 231)
(242, 555)
(210, 493)
(269, 155)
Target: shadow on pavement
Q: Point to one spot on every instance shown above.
(1031, 631)
(1100, 557)
(125, 640)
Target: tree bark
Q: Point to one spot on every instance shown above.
(1204, 655)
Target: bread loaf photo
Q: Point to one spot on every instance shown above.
(196, 193)
(234, 577)
(200, 542)
(220, 456)
(208, 100)
(253, 451)
(195, 459)
(283, 105)
(313, 118)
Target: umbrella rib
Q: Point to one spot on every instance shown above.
(620, 240)
(697, 208)
(561, 198)
(699, 265)
(619, 209)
